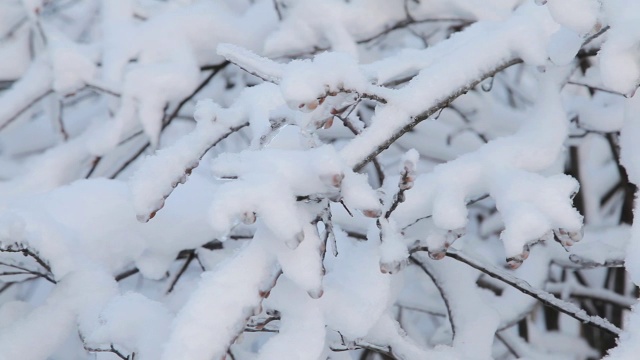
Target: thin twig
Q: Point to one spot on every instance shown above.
(542, 296)
(215, 69)
(13, 29)
(26, 271)
(126, 274)
(429, 216)
(4, 287)
(592, 87)
(130, 160)
(103, 89)
(410, 21)
(25, 108)
(276, 6)
(506, 343)
(94, 164)
(425, 311)
(355, 131)
(192, 255)
(28, 252)
(440, 290)
(111, 349)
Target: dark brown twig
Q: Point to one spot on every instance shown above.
(192, 255)
(112, 350)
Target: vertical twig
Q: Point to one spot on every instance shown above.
(190, 257)
(440, 290)
(276, 6)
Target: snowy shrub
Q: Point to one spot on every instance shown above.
(319, 179)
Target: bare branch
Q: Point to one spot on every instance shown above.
(192, 255)
(440, 290)
(276, 6)
(26, 251)
(112, 350)
(126, 274)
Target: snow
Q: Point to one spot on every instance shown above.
(72, 65)
(357, 195)
(209, 322)
(267, 177)
(32, 86)
(451, 72)
(135, 322)
(356, 293)
(528, 214)
(316, 154)
(171, 166)
(599, 245)
(603, 113)
(628, 342)
(302, 327)
(618, 57)
(393, 251)
(244, 58)
(580, 16)
(17, 47)
(305, 81)
(473, 318)
(47, 326)
(629, 158)
(340, 23)
(563, 46)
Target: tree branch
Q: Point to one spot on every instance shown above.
(440, 290)
(434, 109)
(542, 296)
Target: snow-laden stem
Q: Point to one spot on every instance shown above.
(430, 111)
(541, 295)
(185, 157)
(581, 291)
(445, 101)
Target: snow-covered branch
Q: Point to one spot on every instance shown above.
(302, 179)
